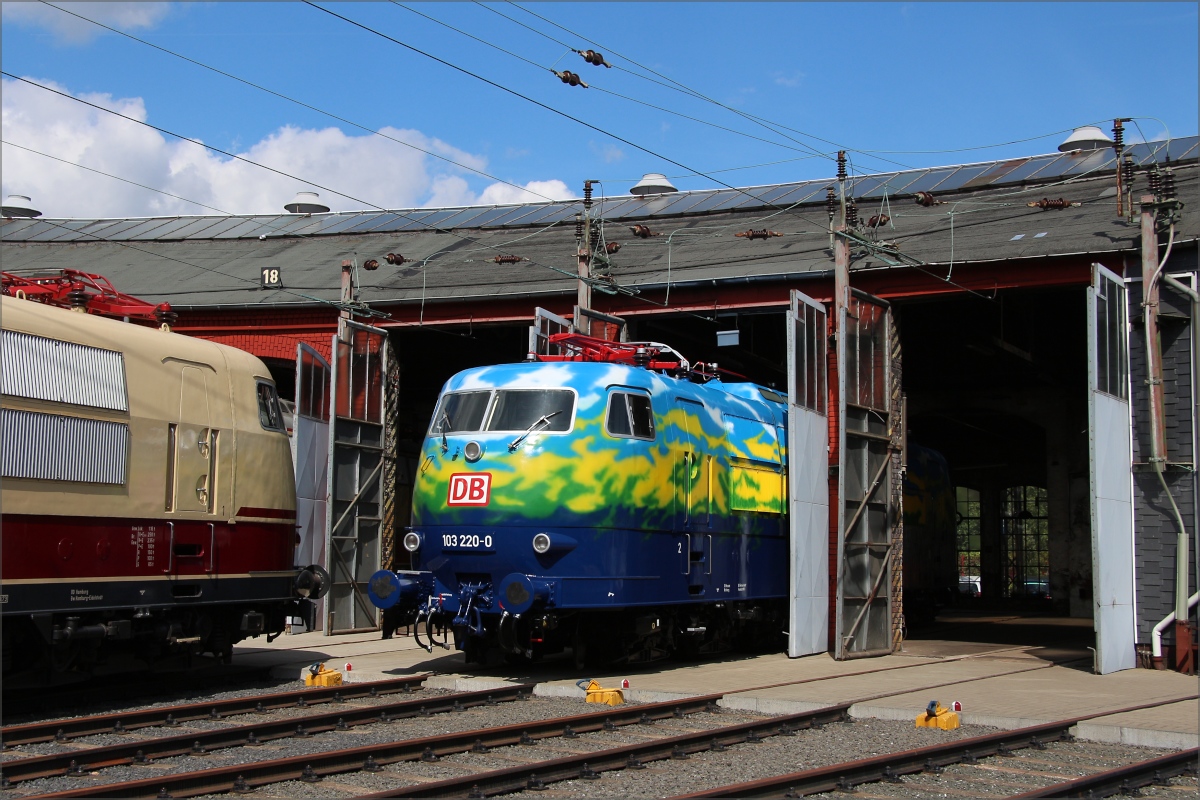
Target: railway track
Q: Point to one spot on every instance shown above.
(124, 721)
(576, 747)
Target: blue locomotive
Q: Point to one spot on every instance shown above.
(616, 501)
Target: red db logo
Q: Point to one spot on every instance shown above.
(470, 489)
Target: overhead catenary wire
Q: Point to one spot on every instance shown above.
(553, 110)
(400, 214)
(802, 148)
(301, 103)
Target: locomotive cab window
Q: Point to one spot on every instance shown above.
(504, 410)
(520, 409)
(460, 411)
(629, 416)
(269, 415)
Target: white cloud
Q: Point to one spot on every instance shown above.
(789, 79)
(371, 170)
(73, 30)
(535, 192)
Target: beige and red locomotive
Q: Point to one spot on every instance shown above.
(148, 495)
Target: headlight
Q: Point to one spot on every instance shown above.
(473, 451)
(412, 542)
(541, 543)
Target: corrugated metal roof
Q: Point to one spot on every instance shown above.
(616, 209)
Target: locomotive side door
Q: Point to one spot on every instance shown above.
(869, 482)
(355, 505)
(808, 477)
(310, 456)
(691, 492)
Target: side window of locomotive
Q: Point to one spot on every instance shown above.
(269, 415)
(519, 409)
(629, 416)
(460, 411)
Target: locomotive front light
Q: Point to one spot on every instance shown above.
(473, 451)
(541, 543)
(412, 542)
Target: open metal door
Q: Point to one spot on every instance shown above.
(354, 512)
(869, 444)
(808, 477)
(310, 456)
(1110, 470)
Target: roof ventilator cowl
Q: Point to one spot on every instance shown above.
(18, 205)
(306, 203)
(1088, 137)
(653, 183)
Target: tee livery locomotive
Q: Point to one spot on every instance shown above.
(613, 501)
(148, 495)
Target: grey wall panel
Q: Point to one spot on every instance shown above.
(57, 448)
(39, 368)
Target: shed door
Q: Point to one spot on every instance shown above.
(868, 513)
(310, 455)
(808, 477)
(1110, 471)
(355, 492)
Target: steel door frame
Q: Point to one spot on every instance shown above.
(808, 476)
(875, 478)
(371, 484)
(312, 469)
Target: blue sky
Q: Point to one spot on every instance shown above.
(921, 79)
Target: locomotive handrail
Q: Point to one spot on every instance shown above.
(212, 547)
(171, 549)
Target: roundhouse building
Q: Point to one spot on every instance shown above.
(995, 360)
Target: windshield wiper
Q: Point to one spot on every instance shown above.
(444, 423)
(543, 420)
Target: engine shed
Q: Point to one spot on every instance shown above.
(992, 398)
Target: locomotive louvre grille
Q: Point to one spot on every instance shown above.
(39, 368)
(57, 448)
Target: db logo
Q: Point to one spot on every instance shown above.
(470, 489)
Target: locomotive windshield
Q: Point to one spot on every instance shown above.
(504, 410)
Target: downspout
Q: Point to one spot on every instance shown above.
(1156, 637)
(1152, 270)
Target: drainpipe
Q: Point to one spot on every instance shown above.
(1152, 271)
(1156, 637)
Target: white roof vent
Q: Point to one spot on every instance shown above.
(306, 203)
(1089, 137)
(18, 205)
(653, 183)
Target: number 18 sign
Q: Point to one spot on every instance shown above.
(272, 278)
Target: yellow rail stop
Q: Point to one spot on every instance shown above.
(937, 716)
(318, 675)
(598, 694)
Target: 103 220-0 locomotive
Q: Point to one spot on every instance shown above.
(614, 500)
(148, 495)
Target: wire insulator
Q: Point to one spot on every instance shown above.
(592, 57)
(612, 247)
(642, 232)
(877, 220)
(841, 162)
(507, 259)
(1168, 184)
(578, 227)
(370, 264)
(830, 203)
(396, 259)
(570, 78)
(1118, 135)
(1127, 172)
(1154, 179)
(753, 234)
(851, 214)
(926, 199)
(587, 194)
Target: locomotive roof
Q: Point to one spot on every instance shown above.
(207, 262)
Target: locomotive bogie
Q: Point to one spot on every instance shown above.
(554, 500)
(148, 492)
